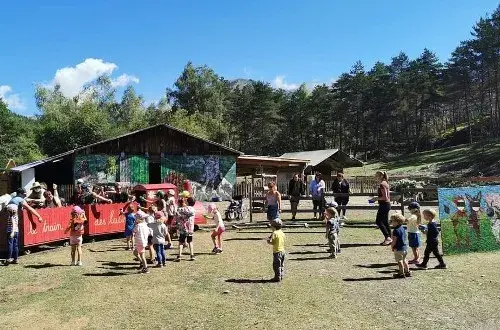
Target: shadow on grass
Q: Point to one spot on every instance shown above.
(315, 244)
(310, 258)
(247, 280)
(245, 239)
(45, 265)
(366, 279)
(307, 252)
(350, 245)
(389, 264)
(107, 274)
(109, 250)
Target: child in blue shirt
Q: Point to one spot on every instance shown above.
(129, 227)
(399, 245)
(432, 245)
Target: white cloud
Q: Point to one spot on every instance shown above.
(12, 100)
(73, 79)
(280, 83)
(124, 80)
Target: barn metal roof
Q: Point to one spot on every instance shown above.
(316, 157)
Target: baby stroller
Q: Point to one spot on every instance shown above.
(235, 209)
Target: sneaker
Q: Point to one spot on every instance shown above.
(168, 246)
(164, 265)
(72, 263)
(275, 279)
(442, 266)
(387, 241)
(140, 267)
(398, 275)
(407, 274)
(218, 251)
(15, 262)
(80, 263)
(145, 271)
(421, 266)
(178, 259)
(158, 266)
(214, 250)
(333, 256)
(192, 258)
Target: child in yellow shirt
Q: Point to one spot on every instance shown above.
(277, 240)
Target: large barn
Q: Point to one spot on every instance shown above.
(156, 154)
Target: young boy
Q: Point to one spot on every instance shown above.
(277, 240)
(432, 240)
(399, 245)
(332, 231)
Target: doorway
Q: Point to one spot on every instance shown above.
(154, 172)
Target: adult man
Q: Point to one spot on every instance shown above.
(52, 200)
(296, 188)
(317, 190)
(78, 193)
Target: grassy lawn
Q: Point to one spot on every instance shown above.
(230, 291)
(457, 160)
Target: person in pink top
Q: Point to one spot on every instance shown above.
(384, 206)
(76, 229)
(214, 214)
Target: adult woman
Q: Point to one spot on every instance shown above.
(317, 190)
(273, 201)
(341, 186)
(384, 206)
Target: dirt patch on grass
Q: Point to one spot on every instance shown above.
(17, 290)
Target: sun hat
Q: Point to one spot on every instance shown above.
(80, 181)
(36, 184)
(413, 206)
(77, 210)
(185, 194)
(171, 192)
(12, 207)
(21, 191)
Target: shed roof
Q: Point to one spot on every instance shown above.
(55, 158)
(316, 157)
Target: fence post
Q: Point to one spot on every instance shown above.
(362, 185)
(402, 201)
(251, 200)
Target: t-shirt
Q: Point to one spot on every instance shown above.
(77, 228)
(17, 201)
(159, 232)
(383, 192)
(218, 220)
(333, 225)
(150, 220)
(185, 219)
(412, 224)
(400, 233)
(171, 206)
(190, 222)
(129, 221)
(13, 223)
(278, 240)
(432, 232)
(141, 234)
(317, 189)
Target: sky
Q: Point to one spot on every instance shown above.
(148, 43)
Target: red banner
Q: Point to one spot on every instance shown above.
(56, 221)
(104, 219)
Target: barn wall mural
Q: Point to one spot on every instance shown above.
(110, 168)
(210, 176)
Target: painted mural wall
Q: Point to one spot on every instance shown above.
(470, 218)
(211, 176)
(110, 168)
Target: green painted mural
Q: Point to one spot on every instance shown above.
(96, 168)
(211, 176)
(134, 169)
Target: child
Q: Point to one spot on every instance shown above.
(160, 230)
(129, 226)
(219, 229)
(171, 211)
(76, 229)
(277, 239)
(399, 246)
(150, 220)
(184, 214)
(13, 234)
(333, 231)
(432, 240)
(413, 222)
(141, 232)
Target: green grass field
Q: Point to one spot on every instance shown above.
(231, 290)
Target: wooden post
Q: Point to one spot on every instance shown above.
(251, 199)
(401, 200)
(362, 185)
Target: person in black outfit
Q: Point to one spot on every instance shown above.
(296, 188)
(432, 240)
(341, 186)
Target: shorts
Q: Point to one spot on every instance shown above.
(400, 255)
(129, 232)
(76, 240)
(218, 232)
(272, 212)
(183, 238)
(150, 240)
(414, 240)
(140, 248)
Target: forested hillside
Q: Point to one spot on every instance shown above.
(403, 106)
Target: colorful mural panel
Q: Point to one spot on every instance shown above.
(134, 169)
(470, 219)
(211, 176)
(96, 168)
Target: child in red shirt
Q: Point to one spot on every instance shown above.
(76, 229)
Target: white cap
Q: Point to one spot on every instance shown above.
(79, 181)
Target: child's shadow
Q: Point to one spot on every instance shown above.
(246, 280)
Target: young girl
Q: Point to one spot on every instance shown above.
(141, 232)
(159, 232)
(333, 231)
(76, 229)
(150, 220)
(129, 226)
(171, 211)
(214, 213)
(184, 214)
(273, 202)
(412, 223)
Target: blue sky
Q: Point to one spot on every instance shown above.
(147, 43)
